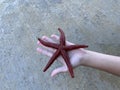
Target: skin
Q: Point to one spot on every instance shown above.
(108, 63)
(61, 50)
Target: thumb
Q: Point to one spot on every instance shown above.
(59, 70)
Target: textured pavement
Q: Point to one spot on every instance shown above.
(92, 22)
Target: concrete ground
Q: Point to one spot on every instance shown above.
(92, 22)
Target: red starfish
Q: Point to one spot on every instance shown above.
(61, 49)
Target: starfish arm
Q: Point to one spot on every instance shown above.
(48, 44)
(67, 60)
(62, 37)
(72, 47)
(55, 55)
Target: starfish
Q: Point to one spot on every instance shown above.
(61, 49)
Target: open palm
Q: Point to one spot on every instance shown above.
(75, 55)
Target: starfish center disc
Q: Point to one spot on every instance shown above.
(61, 47)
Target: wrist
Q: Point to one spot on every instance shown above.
(84, 59)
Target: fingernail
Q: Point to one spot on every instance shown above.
(38, 49)
(52, 35)
(38, 42)
(43, 37)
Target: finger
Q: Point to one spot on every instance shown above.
(56, 38)
(48, 40)
(38, 42)
(50, 49)
(58, 70)
(45, 52)
(49, 54)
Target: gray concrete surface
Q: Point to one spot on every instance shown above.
(92, 22)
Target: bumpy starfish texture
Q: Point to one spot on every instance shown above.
(61, 49)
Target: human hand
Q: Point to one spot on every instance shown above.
(75, 55)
